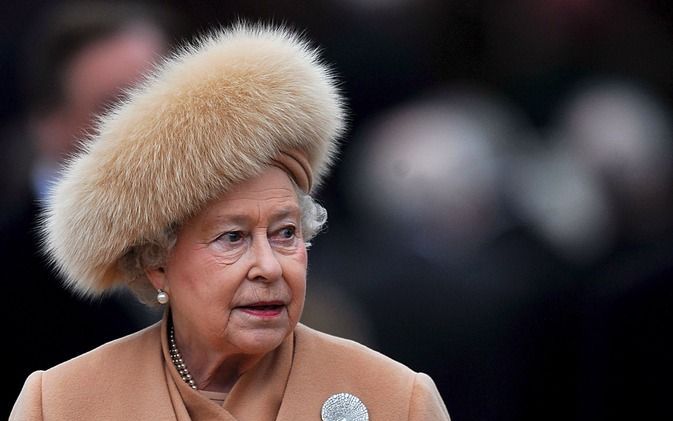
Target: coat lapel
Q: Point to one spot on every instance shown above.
(305, 389)
(258, 394)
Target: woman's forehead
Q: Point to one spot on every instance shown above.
(271, 196)
(269, 179)
(272, 188)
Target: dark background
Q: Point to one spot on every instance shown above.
(551, 296)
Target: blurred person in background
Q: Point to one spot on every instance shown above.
(79, 59)
(621, 133)
(600, 195)
(426, 184)
(542, 257)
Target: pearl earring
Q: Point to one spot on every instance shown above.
(162, 296)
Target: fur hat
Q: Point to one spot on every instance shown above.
(217, 113)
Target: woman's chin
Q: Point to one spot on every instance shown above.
(253, 333)
(260, 340)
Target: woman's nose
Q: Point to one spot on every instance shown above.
(265, 266)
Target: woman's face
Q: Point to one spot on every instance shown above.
(237, 274)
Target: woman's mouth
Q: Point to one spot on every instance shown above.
(263, 309)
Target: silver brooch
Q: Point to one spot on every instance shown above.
(344, 407)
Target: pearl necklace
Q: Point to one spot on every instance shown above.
(177, 359)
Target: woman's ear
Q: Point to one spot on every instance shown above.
(157, 277)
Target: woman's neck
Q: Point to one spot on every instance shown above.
(215, 372)
(211, 368)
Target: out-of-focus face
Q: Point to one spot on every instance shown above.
(95, 79)
(237, 274)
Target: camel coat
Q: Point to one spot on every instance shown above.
(133, 378)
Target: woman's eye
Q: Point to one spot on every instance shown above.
(288, 232)
(232, 237)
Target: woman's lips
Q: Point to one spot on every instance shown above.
(263, 309)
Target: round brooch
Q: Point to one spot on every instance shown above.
(344, 407)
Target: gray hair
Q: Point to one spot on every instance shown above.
(153, 252)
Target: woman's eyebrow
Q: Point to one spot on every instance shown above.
(230, 218)
(284, 212)
(235, 218)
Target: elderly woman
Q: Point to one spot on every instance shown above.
(195, 195)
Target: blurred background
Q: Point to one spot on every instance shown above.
(500, 216)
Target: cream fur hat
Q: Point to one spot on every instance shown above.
(215, 114)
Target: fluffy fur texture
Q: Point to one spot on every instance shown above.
(215, 114)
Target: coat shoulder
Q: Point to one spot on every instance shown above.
(130, 369)
(335, 349)
(111, 356)
(325, 365)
